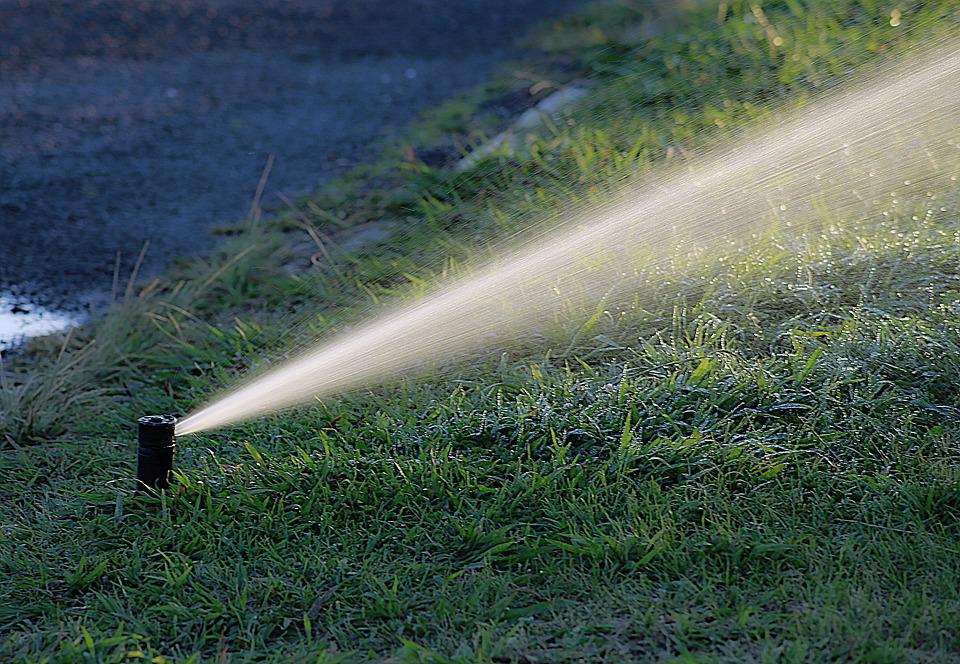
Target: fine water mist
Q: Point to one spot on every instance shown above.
(846, 154)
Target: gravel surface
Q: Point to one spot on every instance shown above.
(130, 120)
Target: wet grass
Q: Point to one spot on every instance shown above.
(753, 460)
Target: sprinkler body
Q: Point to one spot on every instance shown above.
(156, 446)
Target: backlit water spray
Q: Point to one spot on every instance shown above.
(845, 155)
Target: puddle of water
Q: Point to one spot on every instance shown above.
(20, 319)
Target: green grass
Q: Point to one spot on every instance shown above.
(754, 460)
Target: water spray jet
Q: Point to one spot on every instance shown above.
(893, 134)
(156, 446)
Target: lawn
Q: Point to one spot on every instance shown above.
(753, 459)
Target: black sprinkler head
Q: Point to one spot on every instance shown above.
(157, 443)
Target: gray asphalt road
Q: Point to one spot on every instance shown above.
(126, 121)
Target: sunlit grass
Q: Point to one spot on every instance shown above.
(754, 460)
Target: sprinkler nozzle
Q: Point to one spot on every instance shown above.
(156, 445)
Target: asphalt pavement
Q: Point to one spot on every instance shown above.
(125, 121)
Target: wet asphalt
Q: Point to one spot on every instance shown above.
(125, 121)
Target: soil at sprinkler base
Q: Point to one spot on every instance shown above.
(122, 122)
